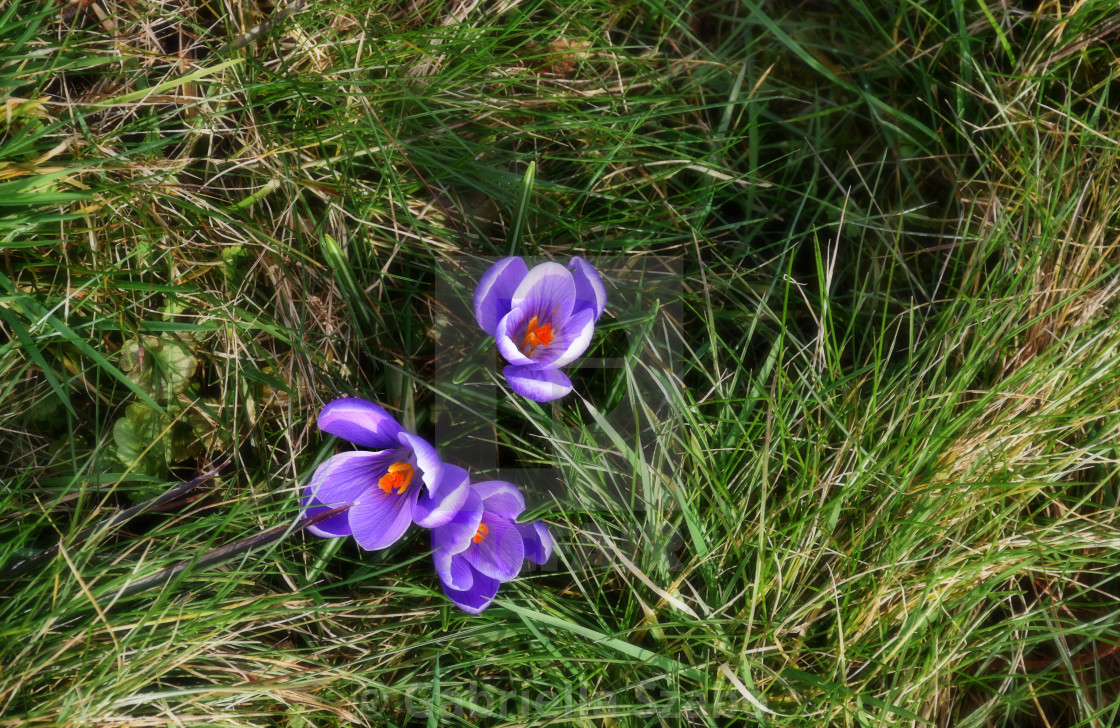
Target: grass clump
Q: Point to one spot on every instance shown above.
(843, 451)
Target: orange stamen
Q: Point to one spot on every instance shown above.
(479, 537)
(537, 335)
(399, 477)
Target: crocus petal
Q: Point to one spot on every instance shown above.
(500, 553)
(455, 535)
(501, 498)
(439, 506)
(360, 422)
(379, 519)
(426, 459)
(337, 526)
(573, 339)
(453, 571)
(507, 329)
(537, 540)
(477, 598)
(545, 282)
(343, 478)
(590, 291)
(495, 289)
(556, 313)
(539, 385)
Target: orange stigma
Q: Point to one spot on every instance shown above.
(398, 477)
(537, 335)
(479, 537)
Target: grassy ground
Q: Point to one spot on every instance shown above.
(843, 453)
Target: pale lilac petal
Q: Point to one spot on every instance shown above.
(379, 519)
(559, 315)
(572, 333)
(495, 290)
(537, 541)
(426, 459)
(573, 339)
(500, 553)
(343, 478)
(456, 534)
(440, 506)
(539, 385)
(590, 291)
(501, 498)
(475, 599)
(337, 526)
(507, 329)
(545, 282)
(360, 422)
(453, 571)
(555, 311)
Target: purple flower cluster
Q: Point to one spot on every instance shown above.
(476, 541)
(542, 320)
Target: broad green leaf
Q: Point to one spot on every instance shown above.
(160, 366)
(149, 442)
(136, 436)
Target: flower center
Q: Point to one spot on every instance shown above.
(483, 529)
(537, 335)
(398, 478)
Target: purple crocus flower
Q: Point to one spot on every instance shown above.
(484, 545)
(542, 320)
(401, 482)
